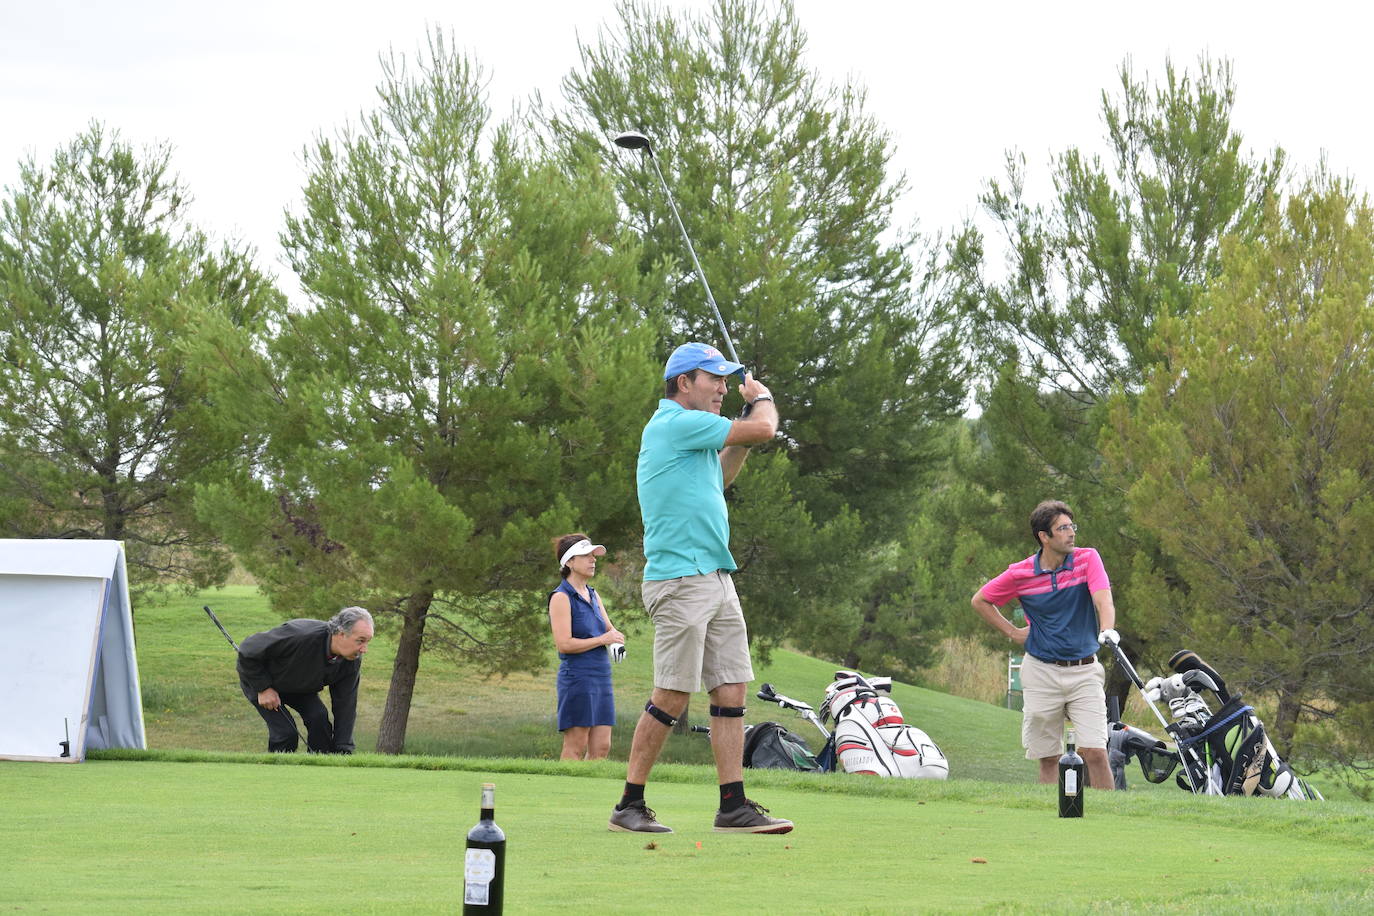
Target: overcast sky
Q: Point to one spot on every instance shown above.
(239, 88)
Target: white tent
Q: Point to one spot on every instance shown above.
(68, 674)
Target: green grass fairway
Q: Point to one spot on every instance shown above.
(191, 698)
(119, 836)
(201, 824)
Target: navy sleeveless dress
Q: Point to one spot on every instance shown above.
(585, 697)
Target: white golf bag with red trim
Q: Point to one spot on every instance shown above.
(870, 735)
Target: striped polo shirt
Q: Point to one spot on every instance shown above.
(1058, 603)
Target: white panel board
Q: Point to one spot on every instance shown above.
(47, 658)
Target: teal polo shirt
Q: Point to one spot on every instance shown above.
(682, 493)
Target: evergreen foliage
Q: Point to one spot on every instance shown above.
(1124, 242)
(1246, 458)
(104, 285)
(785, 185)
(465, 384)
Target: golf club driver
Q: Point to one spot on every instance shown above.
(631, 139)
(280, 709)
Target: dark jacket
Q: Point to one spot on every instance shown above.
(294, 658)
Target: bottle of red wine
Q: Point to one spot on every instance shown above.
(1070, 781)
(484, 863)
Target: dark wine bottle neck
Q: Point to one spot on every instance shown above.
(488, 814)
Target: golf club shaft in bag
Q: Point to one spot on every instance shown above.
(1169, 727)
(633, 140)
(235, 646)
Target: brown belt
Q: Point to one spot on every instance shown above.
(1069, 664)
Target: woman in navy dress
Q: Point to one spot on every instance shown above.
(582, 632)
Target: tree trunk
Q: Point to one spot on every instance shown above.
(391, 734)
(1286, 722)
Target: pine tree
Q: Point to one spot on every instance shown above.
(785, 186)
(1247, 458)
(464, 385)
(1124, 243)
(104, 284)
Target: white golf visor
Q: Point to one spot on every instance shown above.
(581, 548)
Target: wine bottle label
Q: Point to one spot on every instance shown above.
(479, 866)
(477, 894)
(1070, 787)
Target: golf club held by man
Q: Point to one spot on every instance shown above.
(288, 666)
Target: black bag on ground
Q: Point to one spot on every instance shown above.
(769, 746)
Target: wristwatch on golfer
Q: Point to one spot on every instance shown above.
(749, 407)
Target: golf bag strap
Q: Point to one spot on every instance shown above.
(727, 712)
(1214, 726)
(659, 714)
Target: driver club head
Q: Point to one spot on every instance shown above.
(633, 139)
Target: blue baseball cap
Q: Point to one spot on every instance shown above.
(691, 356)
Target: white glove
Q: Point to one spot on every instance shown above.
(616, 650)
(1109, 636)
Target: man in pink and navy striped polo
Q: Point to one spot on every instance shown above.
(1067, 600)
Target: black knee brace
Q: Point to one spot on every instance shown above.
(659, 714)
(727, 712)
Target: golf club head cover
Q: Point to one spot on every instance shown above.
(659, 714)
(1153, 689)
(1173, 688)
(1197, 678)
(727, 712)
(1187, 660)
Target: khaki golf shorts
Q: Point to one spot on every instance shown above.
(699, 632)
(1052, 694)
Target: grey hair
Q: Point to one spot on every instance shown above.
(344, 621)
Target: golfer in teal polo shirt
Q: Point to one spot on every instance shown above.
(688, 455)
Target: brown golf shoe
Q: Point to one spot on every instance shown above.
(636, 818)
(750, 817)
